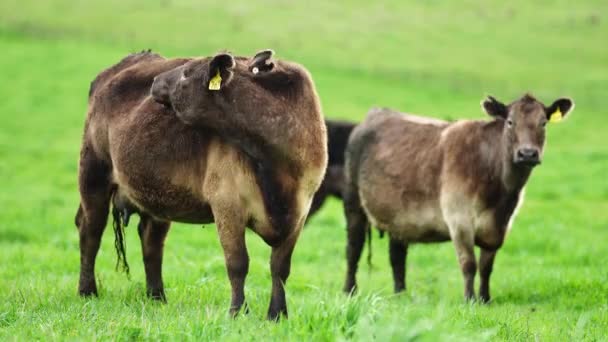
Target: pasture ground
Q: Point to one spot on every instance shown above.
(435, 57)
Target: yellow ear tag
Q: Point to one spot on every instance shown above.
(215, 82)
(556, 116)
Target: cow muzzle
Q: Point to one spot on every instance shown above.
(527, 156)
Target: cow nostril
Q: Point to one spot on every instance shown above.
(527, 153)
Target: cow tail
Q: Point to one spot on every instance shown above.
(119, 241)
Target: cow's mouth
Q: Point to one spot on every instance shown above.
(527, 162)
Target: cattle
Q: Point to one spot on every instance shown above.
(237, 141)
(424, 180)
(337, 138)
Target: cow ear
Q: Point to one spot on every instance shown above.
(220, 71)
(559, 109)
(164, 84)
(494, 108)
(262, 62)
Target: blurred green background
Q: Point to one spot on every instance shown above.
(438, 58)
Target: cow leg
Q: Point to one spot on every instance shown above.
(464, 243)
(356, 226)
(486, 263)
(398, 254)
(317, 201)
(152, 235)
(280, 265)
(231, 231)
(332, 184)
(92, 216)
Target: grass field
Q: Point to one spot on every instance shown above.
(440, 58)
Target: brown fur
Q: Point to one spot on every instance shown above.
(250, 154)
(426, 180)
(333, 183)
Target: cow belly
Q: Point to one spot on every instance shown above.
(421, 234)
(419, 222)
(423, 224)
(162, 200)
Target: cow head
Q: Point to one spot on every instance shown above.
(524, 125)
(226, 84)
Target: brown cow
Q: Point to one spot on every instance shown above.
(248, 150)
(333, 183)
(427, 180)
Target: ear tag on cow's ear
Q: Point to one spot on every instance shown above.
(556, 116)
(215, 82)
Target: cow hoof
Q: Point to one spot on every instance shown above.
(157, 295)
(470, 299)
(276, 315)
(350, 289)
(235, 311)
(88, 293)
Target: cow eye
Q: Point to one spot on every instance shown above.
(544, 123)
(510, 122)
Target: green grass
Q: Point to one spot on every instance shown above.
(435, 57)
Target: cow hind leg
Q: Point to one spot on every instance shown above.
(356, 225)
(91, 218)
(152, 235)
(486, 263)
(280, 265)
(398, 254)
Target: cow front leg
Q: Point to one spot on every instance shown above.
(318, 200)
(231, 231)
(280, 265)
(152, 235)
(486, 263)
(464, 244)
(398, 254)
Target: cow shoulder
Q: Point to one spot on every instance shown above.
(469, 154)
